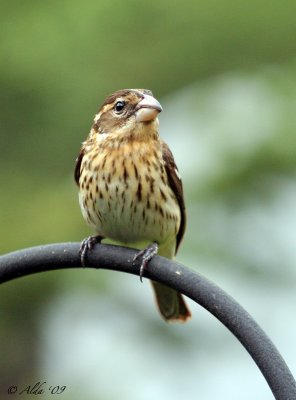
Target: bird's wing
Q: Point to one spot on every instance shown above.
(78, 165)
(176, 186)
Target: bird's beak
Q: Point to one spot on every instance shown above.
(147, 109)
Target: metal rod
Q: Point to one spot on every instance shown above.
(198, 288)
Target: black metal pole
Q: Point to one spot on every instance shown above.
(175, 275)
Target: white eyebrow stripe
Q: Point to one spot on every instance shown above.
(138, 92)
(97, 116)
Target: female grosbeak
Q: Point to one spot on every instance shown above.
(130, 190)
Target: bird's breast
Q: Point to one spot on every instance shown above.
(125, 196)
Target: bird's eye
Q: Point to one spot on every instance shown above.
(119, 106)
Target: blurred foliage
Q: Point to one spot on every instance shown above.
(58, 62)
(60, 59)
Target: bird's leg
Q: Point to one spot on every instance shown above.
(87, 244)
(146, 254)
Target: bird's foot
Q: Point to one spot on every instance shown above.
(146, 254)
(86, 245)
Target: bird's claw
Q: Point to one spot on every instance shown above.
(146, 254)
(86, 245)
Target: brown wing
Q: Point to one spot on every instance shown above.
(176, 186)
(78, 165)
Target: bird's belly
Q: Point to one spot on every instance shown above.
(131, 210)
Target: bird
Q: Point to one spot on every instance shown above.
(130, 190)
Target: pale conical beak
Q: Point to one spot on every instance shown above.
(147, 109)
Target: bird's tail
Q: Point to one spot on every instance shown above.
(171, 303)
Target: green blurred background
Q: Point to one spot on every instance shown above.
(225, 74)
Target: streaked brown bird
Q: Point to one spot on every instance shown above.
(130, 190)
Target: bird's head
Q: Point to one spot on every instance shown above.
(127, 112)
